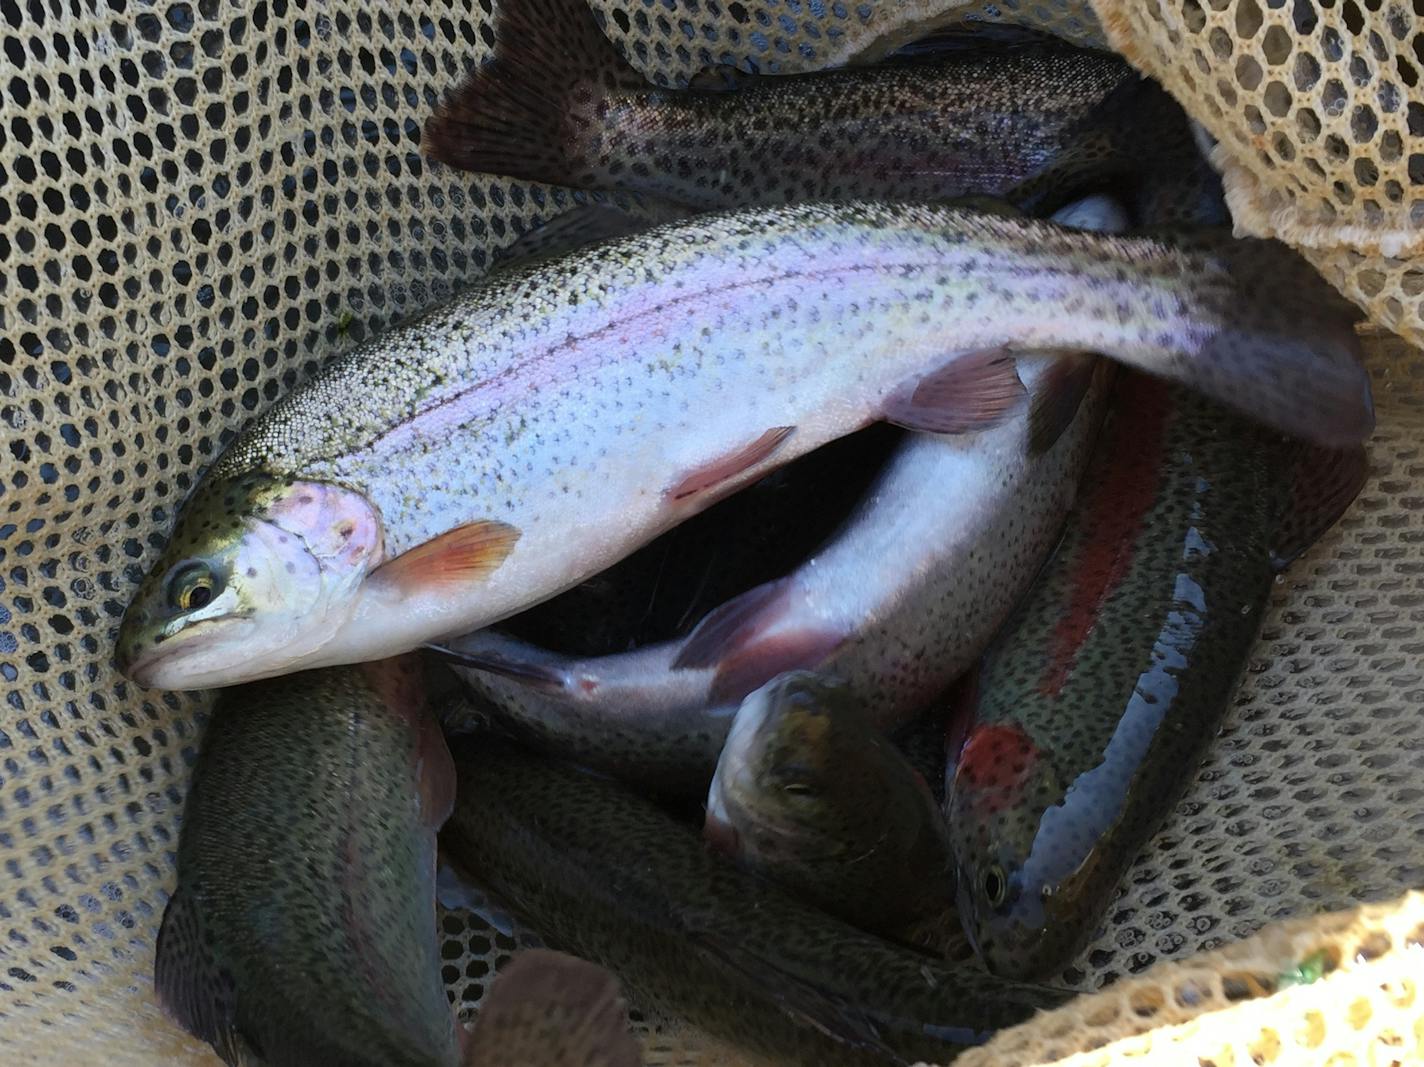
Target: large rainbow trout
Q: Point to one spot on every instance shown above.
(507, 445)
(1099, 698)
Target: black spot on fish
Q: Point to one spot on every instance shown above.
(252, 572)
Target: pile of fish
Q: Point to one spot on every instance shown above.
(831, 549)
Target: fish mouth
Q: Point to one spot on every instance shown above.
(156, 668)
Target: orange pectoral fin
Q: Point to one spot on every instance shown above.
(465, 554)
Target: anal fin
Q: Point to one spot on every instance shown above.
(465, 554)
(971, 391)
(719, 471)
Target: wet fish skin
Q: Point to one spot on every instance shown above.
(896, 623)
(303, 926)
(595, 869)
(1016, 115)
(482, 439)
(1099, 698)
(809, 795)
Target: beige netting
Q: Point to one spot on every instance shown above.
(198, 203)
(1319, 109)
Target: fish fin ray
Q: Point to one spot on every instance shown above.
(529, 672)
(727, 627)
(1326, 482)
(467, 553)
(758, 662)
(710, 476)
(522, 113)
(193, 989)
(553, 1009)
(971, 391)
(1056, 399)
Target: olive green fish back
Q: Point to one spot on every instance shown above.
(201, 202)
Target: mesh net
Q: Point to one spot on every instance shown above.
(201, 202)
(1319, 108)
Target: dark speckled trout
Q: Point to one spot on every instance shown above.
(1013, 115)
(303, 928)
(596, 869)
(1094, 706)
(557, 416)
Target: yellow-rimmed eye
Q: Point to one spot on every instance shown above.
(192, 586)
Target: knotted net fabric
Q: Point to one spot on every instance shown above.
(201, 202)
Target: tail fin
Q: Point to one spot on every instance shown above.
(1325, 483)
(554, 1010)
(193, 988)
(526, 113)
(1283, 350)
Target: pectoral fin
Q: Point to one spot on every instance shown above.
(460, 556)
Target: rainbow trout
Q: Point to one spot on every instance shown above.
(1095, 705)
(595, 869)
(808, 794)
(303, 926)
(1016, 115)
(504, 446)
(898, 603)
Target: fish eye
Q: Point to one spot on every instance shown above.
(996, 886)
(192, 586)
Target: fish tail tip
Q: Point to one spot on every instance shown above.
(512, 116)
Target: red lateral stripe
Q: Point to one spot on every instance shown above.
(1113, 512)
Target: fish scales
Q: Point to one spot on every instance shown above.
(574, 394)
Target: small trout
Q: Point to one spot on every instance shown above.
(1096, 704)
(808, 794)
(303, 927)
(898, 603)
(1026, 117)
(532, 432)
(595, 869)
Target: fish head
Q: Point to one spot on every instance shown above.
(1003, 783)
(258, 569)
(785, 760)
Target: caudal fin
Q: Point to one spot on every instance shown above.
(1284, 350)
(193, 988)
(554, 1010)
(527, 112)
